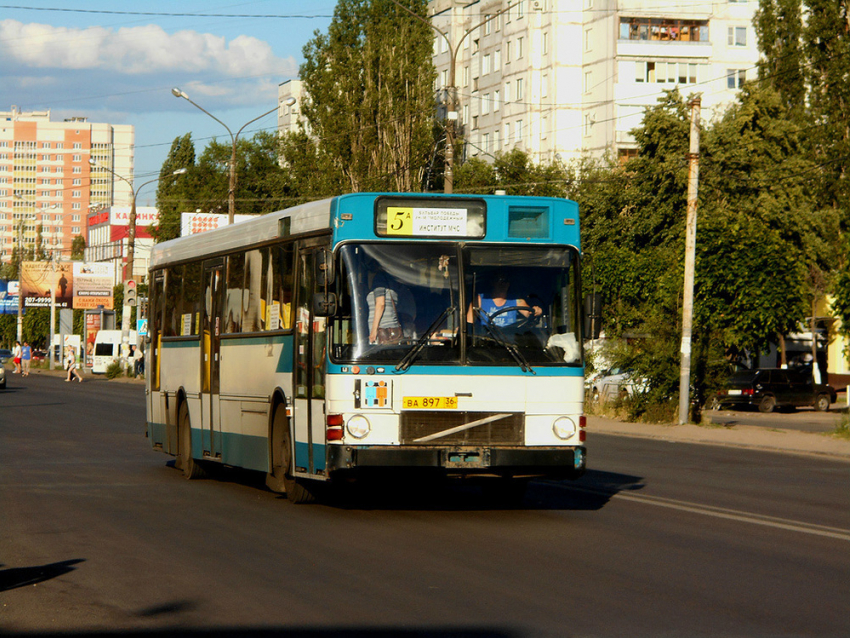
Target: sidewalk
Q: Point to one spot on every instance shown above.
(86, 374)
(742, 436)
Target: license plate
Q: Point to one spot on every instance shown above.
(733, 392)
(429, 403)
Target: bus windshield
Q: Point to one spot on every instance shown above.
(403, 304)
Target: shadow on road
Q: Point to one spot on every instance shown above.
(22, 576)
(405, 491)
(272, 632)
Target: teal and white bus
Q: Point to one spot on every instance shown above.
(373, 332)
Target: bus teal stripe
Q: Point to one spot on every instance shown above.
(464, 371)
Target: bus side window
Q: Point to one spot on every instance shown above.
(252, 312)
(280, 301)
(173, 296)
(192, 293)
(235, 293)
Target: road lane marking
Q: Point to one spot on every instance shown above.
(729, 514)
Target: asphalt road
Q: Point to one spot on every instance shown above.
(98, 534)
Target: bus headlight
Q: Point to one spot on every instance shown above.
(358, 426)
(564, 427)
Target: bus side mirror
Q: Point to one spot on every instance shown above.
(324, 268)
(592, 315)
(324, 304)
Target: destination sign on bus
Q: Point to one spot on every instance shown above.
(430, 217)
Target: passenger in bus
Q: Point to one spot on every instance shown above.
(499, 299)
(383, 321)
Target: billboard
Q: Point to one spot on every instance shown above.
(192, 223)
(39, 277)
(93, 285)
(8, 297)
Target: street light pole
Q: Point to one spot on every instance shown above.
(127, 274)
(452, 116)
(231, 193)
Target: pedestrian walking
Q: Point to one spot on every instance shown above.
(26, 357)
(71, 365)
(16, 358)
(138, 361)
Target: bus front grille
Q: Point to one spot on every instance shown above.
(508, 430)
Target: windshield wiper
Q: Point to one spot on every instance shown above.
(407, 360)
(499, 337)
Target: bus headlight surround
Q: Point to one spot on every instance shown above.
(564, 427)
(358, 426)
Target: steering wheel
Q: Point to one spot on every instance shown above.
(521, 323)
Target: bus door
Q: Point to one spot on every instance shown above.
(310, 355)
(210, 358)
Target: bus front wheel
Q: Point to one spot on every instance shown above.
(280, 479)
(191, 468)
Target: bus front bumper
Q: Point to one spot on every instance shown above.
(565, 462)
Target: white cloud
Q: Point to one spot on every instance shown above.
(138, 50)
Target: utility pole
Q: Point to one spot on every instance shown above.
(690, 259)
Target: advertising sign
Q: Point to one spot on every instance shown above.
(93, 325)
(93, 285)
(193, 223)
(37, 279)
(8, 298)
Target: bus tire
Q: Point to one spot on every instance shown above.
(280, 478)
(191, 468)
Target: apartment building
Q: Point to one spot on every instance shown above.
(47, 183)
(560, 79)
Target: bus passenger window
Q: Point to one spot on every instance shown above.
(235, 294)
(191, 308)
(173, 295)
(279, 305)
(252, 315)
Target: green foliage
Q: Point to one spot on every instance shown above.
(114, 370)
(78, 248)
(369, 102)
(514, 173)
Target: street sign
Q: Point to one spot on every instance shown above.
(142, 327)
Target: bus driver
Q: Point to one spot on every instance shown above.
(498, 299)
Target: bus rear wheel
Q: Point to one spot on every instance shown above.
(280, 479)
(191, 468)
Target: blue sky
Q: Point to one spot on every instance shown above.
(116, 62)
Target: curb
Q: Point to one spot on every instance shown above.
(739, 436)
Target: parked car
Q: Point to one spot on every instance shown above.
(771, 388)
(615, 383)
(5, 355)
(39, 355)
(2, 378)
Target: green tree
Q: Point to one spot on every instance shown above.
(173, 196)
(369, 98)
(779, 28)
(78, 247)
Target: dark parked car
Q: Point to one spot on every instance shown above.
(770, 388)
(5, 355)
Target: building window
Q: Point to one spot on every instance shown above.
(507, 133)
(519, 42)
(735, 78)
(488, 25)
(485, 104)
(520, 89)
(496, 100)
(76, 194)
(520, 9)
(444, 78)
(496, 140)
(737, 36)
(485, 64)
(587, 81)
(587, 124)
(507, 91)
(507, 52)
(486, 142)
(587, 45)
(76, 206)
(544, 86)
(466, 76)
(518, 127)
(545, 43)
(663, 29)
(465, 113)
(77, 158)
(77, 144)
(497, 59)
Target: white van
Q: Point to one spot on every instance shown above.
(107, 348)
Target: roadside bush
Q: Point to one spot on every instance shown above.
(114, 370)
